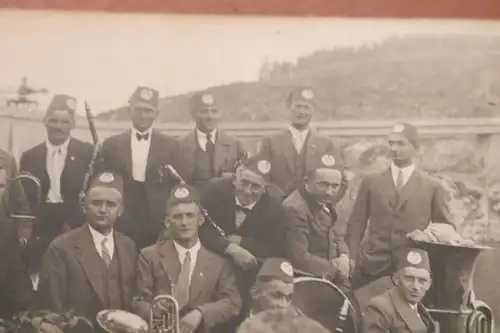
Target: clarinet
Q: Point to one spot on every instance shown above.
(97, 147)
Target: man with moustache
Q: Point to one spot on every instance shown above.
(93, 267)
(208, 152)
(400, 309)
(290, 151)
(60, 164)
(140, 156)
(397, 201)
(202, 282)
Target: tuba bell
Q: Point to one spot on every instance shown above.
(164, 315)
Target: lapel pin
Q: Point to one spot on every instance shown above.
(201, 274)
(72, 158)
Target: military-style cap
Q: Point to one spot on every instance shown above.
(301, 95)
(183, 194)
(412, 257)
(202, 100)
(107, 179)
(62, 103)
(408, 131)
(277, 268)
(258, 165)
(145, 96)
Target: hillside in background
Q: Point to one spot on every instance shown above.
(411, 77)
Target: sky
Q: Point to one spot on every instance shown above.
(103, 57)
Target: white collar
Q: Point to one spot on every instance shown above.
(203, 135)
(250, 207)
(407, 170)
(182, 250)
(296, 132)
(98, 237)
(149, 131)
(63, 146)
(414, 307)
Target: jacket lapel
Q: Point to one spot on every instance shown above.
(288, 149)
(153, 163)
(189, 152)
(170, 261)
(203, 262)
(409, 188)
(388, 185)
(125, 149)
(126, 263)
(68, 162)
(40, 162)
(222, 144)
(90, 260)
(311, 147)
(409, 316)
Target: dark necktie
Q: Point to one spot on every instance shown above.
(210, 149)
(141, 137)
(106, 256)
(181, 290)
(400, 181)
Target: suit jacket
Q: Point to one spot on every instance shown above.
(421, 201)
(116, 155)
(390, 313)
(228, 150)
(213, 289)
(313, 237)
(70, 278)
(262, 231)
(76, 166)
(280, 151)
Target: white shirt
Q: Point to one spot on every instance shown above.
(181, 251)
(202, 138)
(56, 158)
(98, 238)
(298, 137)
(407, 172)
(140, 153)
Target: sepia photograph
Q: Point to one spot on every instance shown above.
(243, 174)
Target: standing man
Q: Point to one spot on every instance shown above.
(202, 282)
(290, 151)
(208, 152)
(140, 155)
(399, 309)
(93, 267)
(397, 201)
(60, 164)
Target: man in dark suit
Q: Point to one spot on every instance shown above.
(140, 155)
(60, 164)
(202, 282)
(399, 309)
(208, 152)
(93, 267)
(397, 201)
(290, 151)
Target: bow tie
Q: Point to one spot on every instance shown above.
(140, 137)
(243, 209)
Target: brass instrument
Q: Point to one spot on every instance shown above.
(164, 315)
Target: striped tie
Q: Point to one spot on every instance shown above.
(105, 252)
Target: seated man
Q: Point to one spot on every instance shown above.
(203, 283)
(273, 287)
(280, 321)
(399, 309)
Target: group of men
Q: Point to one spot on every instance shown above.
(225, 241)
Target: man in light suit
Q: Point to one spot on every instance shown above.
(140, 156)
(397, 201)
(93, 267)
(399, 309)
(60, 164)
(202, 282)
(208, 152)
(290, 151)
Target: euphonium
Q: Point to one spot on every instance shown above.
(164, 315)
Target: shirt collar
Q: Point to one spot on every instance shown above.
(203, 135)
(135, 131)
(63, 146)
(407, 170)
(98, 237)
(296, 132)
(250, 207)
(182, 250)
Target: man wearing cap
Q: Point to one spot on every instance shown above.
(396, 201)
(202, 282)
(314, 241)
(290, 151)
(273, 287)
(208, 152)
(140, 156)
(60, 164)
(92, 267)
(399, 309)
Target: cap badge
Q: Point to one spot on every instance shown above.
(71, 103)
(264, 166)
(146, 94)
(307, 94)
(207, 99)
(328, 160)
(181, 193)
(106, 178)
(398, 128)
(286, 268)
(414, 258)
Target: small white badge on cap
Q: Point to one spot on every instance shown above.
(207, 99)
(264, 167)
(307, 94)
(181, 193)
(328, 160)
(286, 268)
(106, 178)
(398, 128)
(414, 258)
(146, 94)
(71, 103)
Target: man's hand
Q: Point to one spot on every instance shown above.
(235, 239)
(241, 257)
(343, 265)
(191, 321)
